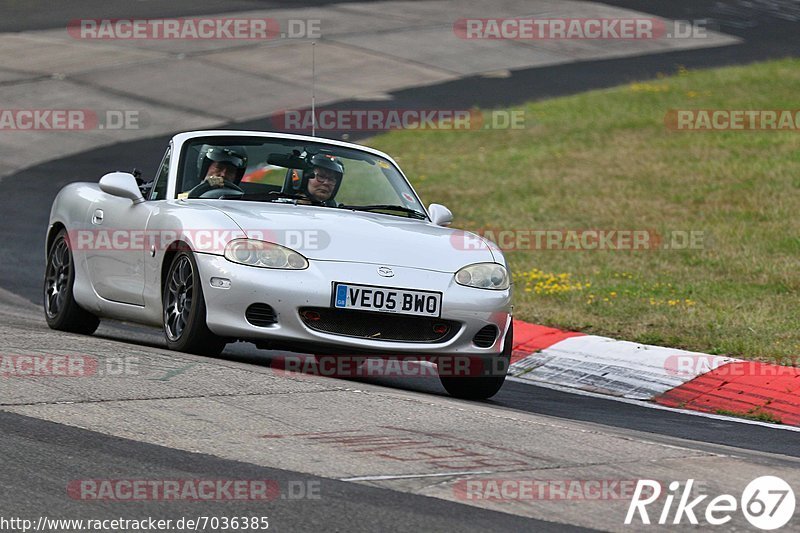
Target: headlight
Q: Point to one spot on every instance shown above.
(264, 254)
(483, 276)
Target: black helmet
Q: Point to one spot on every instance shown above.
(330, 162)
(233, 155)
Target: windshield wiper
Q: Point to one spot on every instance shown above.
(413, 213)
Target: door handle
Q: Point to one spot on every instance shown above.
(97, 218)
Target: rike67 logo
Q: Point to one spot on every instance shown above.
(767, 502)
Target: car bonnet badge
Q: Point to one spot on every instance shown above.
(386, 272)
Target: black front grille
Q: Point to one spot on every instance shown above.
(378, 326)
(485, 337)
(260, 315)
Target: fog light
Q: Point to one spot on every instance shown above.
(313, 316)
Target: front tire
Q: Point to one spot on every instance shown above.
(61, 310)
(184, 310)
(482, 387)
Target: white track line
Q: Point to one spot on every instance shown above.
(650, 405)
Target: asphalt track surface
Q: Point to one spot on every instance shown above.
(345, 506)
(25, 199)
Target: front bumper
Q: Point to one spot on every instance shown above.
(286, 291)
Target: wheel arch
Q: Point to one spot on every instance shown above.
(52, 233)
(174, 248)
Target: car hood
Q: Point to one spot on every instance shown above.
(330, 234)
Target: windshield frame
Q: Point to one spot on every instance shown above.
(318, 143)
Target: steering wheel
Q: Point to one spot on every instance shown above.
(205, 190)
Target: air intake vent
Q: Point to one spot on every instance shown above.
(485, 337)
(260, 315)
(378, 326)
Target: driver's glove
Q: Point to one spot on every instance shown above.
(215, 181)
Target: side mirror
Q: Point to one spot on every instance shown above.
(121, 184)
(440, 215)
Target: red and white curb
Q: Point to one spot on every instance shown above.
(670, 377)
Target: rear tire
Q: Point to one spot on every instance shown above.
(61, 310)
(482, 387)
(184, 310)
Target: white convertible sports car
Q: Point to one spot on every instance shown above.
(287, 241)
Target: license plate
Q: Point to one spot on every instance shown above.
(387, 300)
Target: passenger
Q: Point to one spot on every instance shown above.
(322, 182)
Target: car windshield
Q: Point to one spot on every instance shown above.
(281, 170)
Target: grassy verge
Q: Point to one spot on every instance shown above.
(753, 414)
(605, 160)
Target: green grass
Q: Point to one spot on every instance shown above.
(605, 160)
(753, 414)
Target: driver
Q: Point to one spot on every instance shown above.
(322, 181)
(217, 165)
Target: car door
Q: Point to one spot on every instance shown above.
(117, 260)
